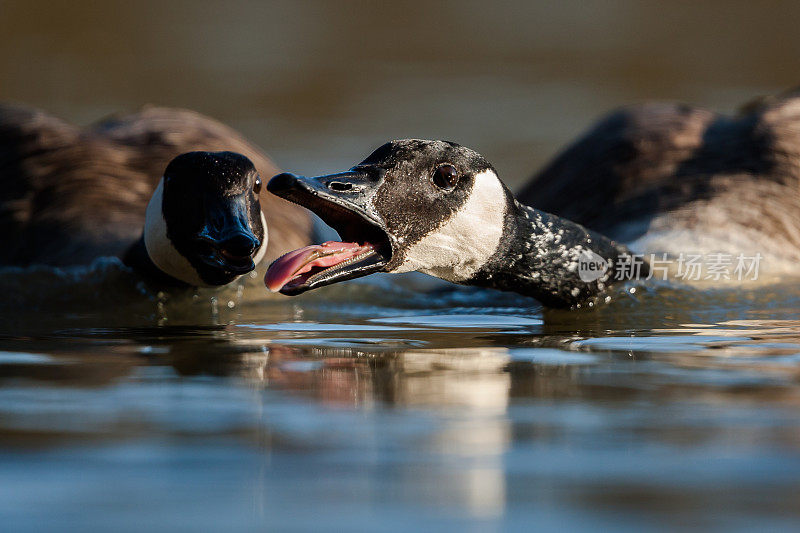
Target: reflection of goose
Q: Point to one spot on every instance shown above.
(466, 389)
(70, 195)
(463, 377)
(440, 208)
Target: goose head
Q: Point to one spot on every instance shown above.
(412, 205)
(204, 224)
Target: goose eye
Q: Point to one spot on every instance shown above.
(445, 177)
(257, 185)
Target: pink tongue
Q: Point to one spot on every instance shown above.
(327, 254)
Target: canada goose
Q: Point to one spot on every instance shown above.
(70, 195)
(675, 178)
(439, 208)
(666, 179)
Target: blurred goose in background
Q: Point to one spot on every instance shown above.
(174, 193)
(674, 178)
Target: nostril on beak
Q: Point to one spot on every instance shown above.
(339, 186)
(240, 245)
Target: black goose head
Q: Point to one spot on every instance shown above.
(204, 224)
(433, 206)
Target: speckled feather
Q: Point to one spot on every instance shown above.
(538, 257)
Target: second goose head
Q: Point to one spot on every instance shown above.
(204, 225)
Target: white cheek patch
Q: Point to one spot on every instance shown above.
(160, 249)
(263, 250)
(458, 248)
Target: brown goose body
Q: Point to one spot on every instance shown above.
(672, 177)
(69, 195)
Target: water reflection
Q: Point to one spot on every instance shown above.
(447, 380)
(463, 405)
(406, 364)
(380, 411)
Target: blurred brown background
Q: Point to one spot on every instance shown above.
(319, 84)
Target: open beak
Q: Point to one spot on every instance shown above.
(342, 202)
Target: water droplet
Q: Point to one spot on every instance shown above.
(214, 308)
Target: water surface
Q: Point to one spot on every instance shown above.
(397, 401)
